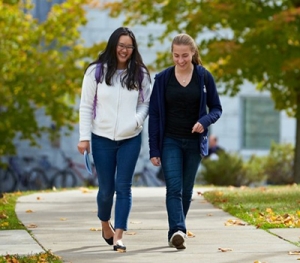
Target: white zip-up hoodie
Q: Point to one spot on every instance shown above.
(120, 113)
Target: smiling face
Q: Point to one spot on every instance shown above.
(124, 51)
(182, 56)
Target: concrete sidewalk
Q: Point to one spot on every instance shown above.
(66, 223)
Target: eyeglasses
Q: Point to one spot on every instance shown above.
(122, 46)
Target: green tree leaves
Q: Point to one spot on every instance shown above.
(258, 41)
(253, 40)
(42, 65)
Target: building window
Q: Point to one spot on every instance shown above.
(42, 8)
(261, 123)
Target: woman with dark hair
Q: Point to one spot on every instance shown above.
(112, 113)
(178, 126)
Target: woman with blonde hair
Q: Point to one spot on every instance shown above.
(178, 126)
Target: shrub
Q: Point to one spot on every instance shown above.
(279, 164)
(230, 169)
(226, 170)
(253, 171)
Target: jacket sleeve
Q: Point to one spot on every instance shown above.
(213, 103)
(86, 104)
(143, 101)
(153, 127)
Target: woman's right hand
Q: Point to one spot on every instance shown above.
(83, 145)
(155, 161)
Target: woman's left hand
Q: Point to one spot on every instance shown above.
(198, 128)
(155, 161)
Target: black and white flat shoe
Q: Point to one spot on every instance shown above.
(119, 247)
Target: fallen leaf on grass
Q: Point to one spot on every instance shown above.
(4, 200)
(294, 252)
(95, 229)
(3, 216)
(11, 259)
(276, 219)
(130, 233)
(226, 249)
(190, 234)
(234, 222)
(40, 258)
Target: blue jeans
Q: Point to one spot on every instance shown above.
(180, 160)
(115, 163)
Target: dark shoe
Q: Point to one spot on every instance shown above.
(119, 247)
(109, 241)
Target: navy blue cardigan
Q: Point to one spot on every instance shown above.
(209, 98)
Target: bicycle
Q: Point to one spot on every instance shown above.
(68, 177)
(14, 178)
(4, 181)
(44, 163)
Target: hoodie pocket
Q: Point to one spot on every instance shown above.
(128, 128)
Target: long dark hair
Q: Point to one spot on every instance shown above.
(134, 75)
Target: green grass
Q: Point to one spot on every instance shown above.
(8, 217)
(46, 257)
(263, 207)
(10, 221)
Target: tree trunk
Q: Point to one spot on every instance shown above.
(297, 144)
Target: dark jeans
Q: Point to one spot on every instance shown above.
(115, 163)
(180, 160)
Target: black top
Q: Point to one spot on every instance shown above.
(182, 107)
